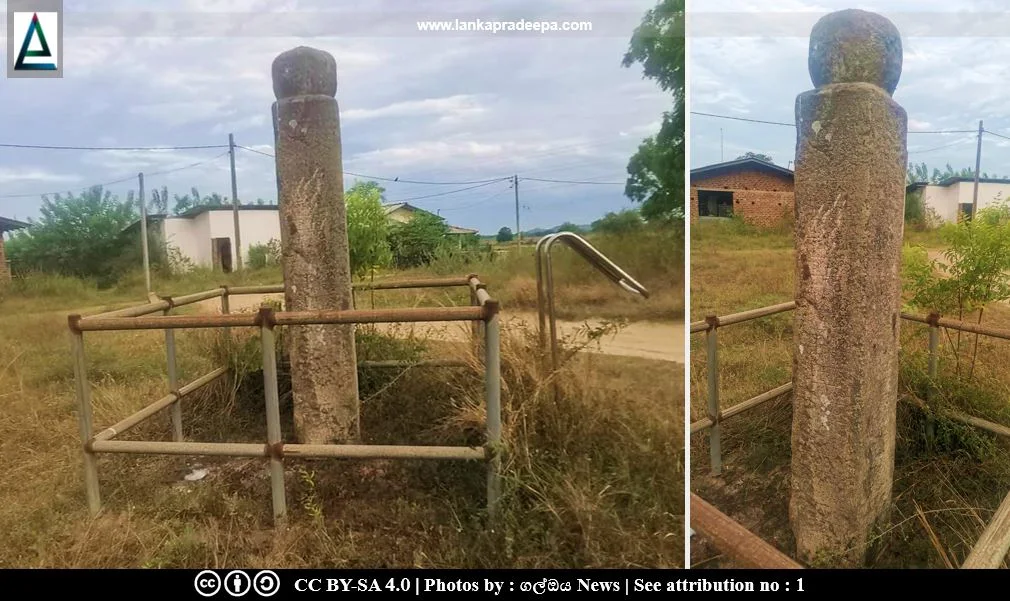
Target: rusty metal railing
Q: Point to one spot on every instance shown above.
(994, 543)
(545, 280)
(484, 311)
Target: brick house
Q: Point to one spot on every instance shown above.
(7, 225)
(758, 191)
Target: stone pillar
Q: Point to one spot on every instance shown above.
(849, 189)
(315, 258)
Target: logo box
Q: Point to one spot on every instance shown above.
(34, 38)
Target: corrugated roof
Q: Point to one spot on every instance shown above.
(7, 225)
(749, 162)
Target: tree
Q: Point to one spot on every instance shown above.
(569, 227)
(367, 228)
(504, 235)
(756, 155)
(416, 242)
(974, 274)
(77, 236)
(656, 170)
(920, 173)
(159, 201)
(623, 222)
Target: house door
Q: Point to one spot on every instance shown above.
(221, 254)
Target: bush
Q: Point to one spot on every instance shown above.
(264, 255)
(626, 221)
(415, 243)
(367, 229)
(83, 236)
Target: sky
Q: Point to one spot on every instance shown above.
(749, 62)
(440, 107)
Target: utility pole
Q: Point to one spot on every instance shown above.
(519, 232)
(978, 164)
(143, 234)
(722, 155)
(234, 203)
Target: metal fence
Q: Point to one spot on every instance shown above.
(483, 310)
(545, 281)
(994, 543)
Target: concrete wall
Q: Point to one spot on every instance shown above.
(762, 198)
(945, 199)
(401, 215)
(193, 235)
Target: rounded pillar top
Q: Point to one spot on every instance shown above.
(855, 46)
(302, 71)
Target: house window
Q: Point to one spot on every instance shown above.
(715, 203)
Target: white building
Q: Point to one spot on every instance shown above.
(952, 197)
(204, 235)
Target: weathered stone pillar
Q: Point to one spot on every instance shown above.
(849, 187)
(315, 259)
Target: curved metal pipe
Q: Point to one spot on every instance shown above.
(545, 280)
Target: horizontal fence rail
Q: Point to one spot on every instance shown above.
(483, 312)
(734, 540)
(989, 551)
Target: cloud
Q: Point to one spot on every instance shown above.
(458, 106)
(8, 175)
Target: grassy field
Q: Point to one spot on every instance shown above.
(942, 497)
(593, 478)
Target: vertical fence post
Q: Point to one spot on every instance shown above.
(492, 385)
(714, 433)
(173, 382)
(266, 319)
(84, 416)
(475, 326)
(934, 342)
(226, 309)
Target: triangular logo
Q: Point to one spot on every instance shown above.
(34, 28)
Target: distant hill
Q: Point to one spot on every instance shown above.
(538, 232)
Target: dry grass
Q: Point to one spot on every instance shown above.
(943, 495)
(593, 478)
(654, 257)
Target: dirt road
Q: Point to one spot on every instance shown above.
(661, 340)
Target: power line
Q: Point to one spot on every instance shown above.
(396, 179)
(743, 119)
(937, 147)
(118, 181)
(568, 181)
(938, 131)
(445, 193)
(996, 134)
(138, 148)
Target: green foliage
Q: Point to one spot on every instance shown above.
(756, 155)
(78, 236)
(623, 222)
(415, 243)
(504, 235)
(918, 173)
(656, 170)
(367, 228)
(570, 227)
(264, 255)
(915, 214)
(974, 272)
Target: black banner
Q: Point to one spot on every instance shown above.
(643, 584)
